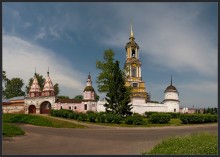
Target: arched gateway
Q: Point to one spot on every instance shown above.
(42, 100)
(45, 107)
(32, 109)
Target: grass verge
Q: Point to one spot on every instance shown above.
(10, 130)
(195, 144)
(38, 120)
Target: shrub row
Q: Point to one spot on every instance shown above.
(101, 117)
(135, 119)
(90, 116)
(172, 114)
(198, 118)
(160, 118)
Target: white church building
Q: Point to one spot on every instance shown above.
(140, 99)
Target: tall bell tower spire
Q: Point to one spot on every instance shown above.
(133, 67)
(132, 33)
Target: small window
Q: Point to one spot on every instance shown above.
(61, 107)
(174, 110)
(133, 71)
(70, 107)
(85, 107)
(133, 53)
(135, 85)
(75, 107)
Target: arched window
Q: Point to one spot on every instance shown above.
(70, 107)
(133, 71)
(61, 107)
(75, 107)
(135, 85)
(85, 107)
(133, 53)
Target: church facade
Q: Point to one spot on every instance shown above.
(88, 103)
(140, 98)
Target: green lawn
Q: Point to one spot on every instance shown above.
(202, 144)
(38, 120)
(11, 130)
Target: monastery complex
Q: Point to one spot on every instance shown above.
(41, 102)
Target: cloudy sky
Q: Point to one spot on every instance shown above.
(174, 38)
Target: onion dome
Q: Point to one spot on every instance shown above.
(171, 88)
(89, 88)
(48, 85)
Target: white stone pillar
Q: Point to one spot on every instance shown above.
(140, 71)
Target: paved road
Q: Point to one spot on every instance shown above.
(93, 141)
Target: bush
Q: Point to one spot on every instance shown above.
(148, 114)
(138, 119)
(82, 117)
(129, 120)
(91, 116)
(185, 118)
(101, 117)
(160, 118)
(198, 118)
(109, 117)
(65, 113)
(174, 115)
(117, 119)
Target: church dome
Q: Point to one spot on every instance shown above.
(171, 88)
(89, 88)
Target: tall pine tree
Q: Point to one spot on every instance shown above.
(118, 95)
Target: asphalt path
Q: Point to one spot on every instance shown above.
(94, 140)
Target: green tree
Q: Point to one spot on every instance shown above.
(56, 89)
(78, 97)
(118, 95)
(41, 81)
(4, 80)
(96, 97)
(13, 88)
(4, 77)
(208, 110)
(105, 67)
(204, 111)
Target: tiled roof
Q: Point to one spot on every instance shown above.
(68, 101)
(35, 86)
(17, 98)
(48, 86)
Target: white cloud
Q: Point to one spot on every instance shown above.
(20, 57)
(170, 35)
